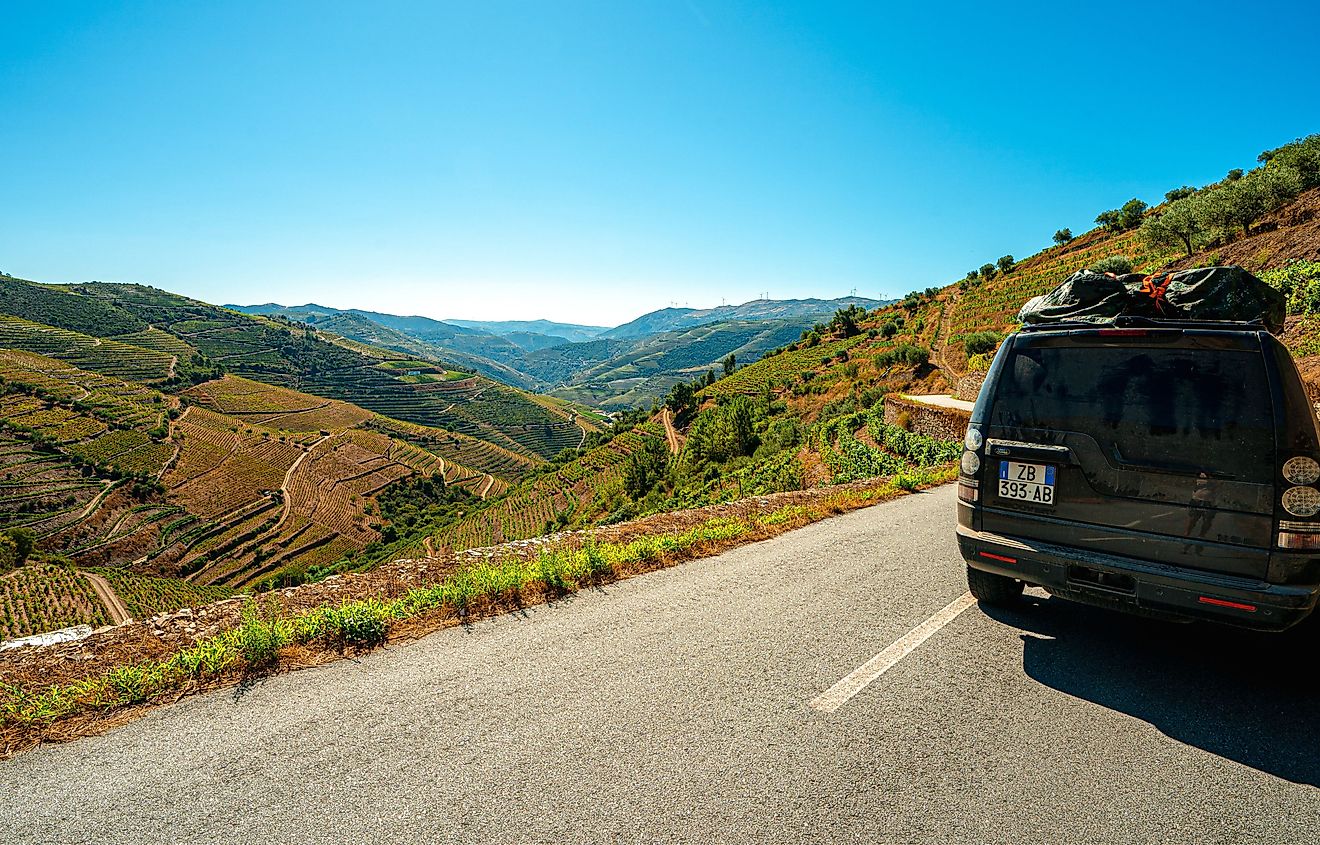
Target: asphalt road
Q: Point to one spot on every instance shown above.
(676, 707)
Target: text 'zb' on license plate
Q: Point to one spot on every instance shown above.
(1026, 482)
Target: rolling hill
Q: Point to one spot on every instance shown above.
(184, 450)
(459, 347)
(230, 481)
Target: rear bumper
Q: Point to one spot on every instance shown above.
(1144, 587)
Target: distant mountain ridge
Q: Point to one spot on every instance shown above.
(571, 332)
(673, 319)
(610, 368)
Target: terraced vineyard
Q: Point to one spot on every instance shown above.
(36, 416)
(576, 490)
(110, 399)
(320, 518)
(225, 464)
(41, 490)
(275, 407)
(108, 357)
(161, 341)
(129, 453)
(755, 379)
(372, 389)
(452, 448)
(39, 598)
(993, 305)
(146, 596)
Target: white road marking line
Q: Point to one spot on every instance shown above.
(856, 681)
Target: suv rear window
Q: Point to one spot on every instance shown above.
(1160, 406)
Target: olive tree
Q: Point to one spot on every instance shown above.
(1180, 224)
(1302, 155)
(1110, 220)
(1243, 202)
(1129, 216)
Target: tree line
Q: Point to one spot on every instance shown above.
(1192, 218)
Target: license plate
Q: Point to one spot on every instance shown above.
(1032, 483)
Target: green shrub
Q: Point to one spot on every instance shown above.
(905, 353)
(918, 449)
(8, 553)
(1300, 283)
(1116, 264)
(978, 363)
(979, 343)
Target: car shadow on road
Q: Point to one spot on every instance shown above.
(1245, 696)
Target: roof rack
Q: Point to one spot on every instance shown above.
(1125, 321)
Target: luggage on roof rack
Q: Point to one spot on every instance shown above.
(1209, 294)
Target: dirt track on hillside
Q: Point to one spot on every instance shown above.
(670, 434)
(113, 604)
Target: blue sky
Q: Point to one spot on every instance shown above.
(589, 162)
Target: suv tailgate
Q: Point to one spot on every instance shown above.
(1160, 445)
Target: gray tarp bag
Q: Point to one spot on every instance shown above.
(1228, 294)
(1086, 296)
(1224, 294)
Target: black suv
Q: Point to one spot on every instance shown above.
(1162, 468)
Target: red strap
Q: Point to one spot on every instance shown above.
(1155, 287)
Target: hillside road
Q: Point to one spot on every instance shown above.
(678, 707)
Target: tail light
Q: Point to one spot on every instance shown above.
(1299, 499)
(970, 464)
(1301, 469)
(969, 468)
(1299, 536)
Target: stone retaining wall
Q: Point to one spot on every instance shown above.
(932, 421)
(969, 386)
